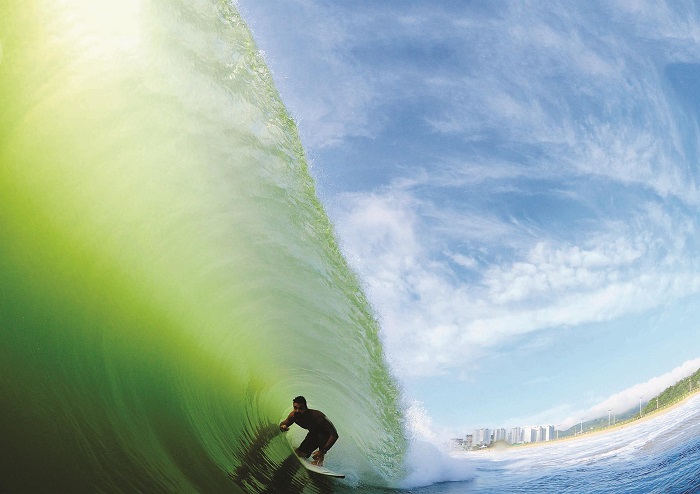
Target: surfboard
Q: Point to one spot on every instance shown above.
(315, 468)
(320, 470)
(293, 436)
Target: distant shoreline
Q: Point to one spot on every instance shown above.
(605, 430)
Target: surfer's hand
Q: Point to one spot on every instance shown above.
(318, 457)
(284, 427)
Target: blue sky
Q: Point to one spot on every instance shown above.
(516, 184)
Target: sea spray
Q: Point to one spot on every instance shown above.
(428, 461)
(168, 277)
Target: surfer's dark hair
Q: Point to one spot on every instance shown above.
(301, 400)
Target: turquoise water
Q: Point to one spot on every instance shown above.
(168, 278)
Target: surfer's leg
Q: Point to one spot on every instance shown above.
(308, 445)
(321, 440)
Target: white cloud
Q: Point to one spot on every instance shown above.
(434, 321)
(549, 269)
(464, 261)
(632, 154)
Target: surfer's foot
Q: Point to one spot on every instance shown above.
(318, 458)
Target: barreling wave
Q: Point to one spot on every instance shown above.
(169, 280)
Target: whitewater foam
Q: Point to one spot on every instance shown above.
(427, 464)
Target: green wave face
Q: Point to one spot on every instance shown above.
(168, 278)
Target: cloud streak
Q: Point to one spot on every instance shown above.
(435, 322)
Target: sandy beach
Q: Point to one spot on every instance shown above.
(606, 430)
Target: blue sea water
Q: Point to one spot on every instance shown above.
(657, 455)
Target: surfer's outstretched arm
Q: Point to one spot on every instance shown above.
(284, 425)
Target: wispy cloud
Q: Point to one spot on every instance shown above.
(435, 321)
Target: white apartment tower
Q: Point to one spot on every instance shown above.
(482, 437)
(550, 435)
(530, 434)
(499, 435)
(515, 436)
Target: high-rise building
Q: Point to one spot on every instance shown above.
(550, 435)
(499, 435)
(482, 437)
(530, 434)
(468, 441)
(515, 436)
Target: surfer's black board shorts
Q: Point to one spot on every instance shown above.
(312, 441)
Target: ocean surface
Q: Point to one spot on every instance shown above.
(658, 455)
(169, 282)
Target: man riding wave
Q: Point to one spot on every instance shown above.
(322, 433)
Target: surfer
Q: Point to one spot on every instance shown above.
(322, 433)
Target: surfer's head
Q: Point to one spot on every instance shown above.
(299, 404)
